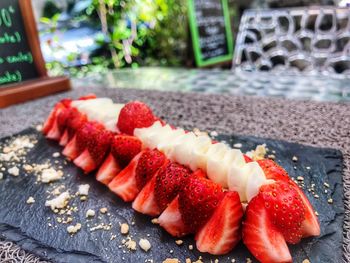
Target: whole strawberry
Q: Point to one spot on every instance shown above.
(169, 180)
(124, 148)
(135, 115)
(149, 163)
(198, 199)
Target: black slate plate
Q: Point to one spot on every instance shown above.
(27, 225)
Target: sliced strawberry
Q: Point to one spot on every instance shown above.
(145, 201)
(87, 135)
(247, 158)
(108, 170)
(171, 219)
(285, 208)
(62, 117)
(223, 230)
(54, 133)
(124, 148)
(133, 115)
(71, 149)
(124, 184)
(99, 146)
(198, 199)
(273, 171)
(149, 163)
(74, 121)
(88, 97)
(85, 162)
(169, 180)
(64, 138)
(310, 226)
(49, 122)
(261, 237)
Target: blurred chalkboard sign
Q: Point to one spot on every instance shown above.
(22, 68)
(211, 31)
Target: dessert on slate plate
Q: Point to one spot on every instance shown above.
(193, 184)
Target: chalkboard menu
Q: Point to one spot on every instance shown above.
(211, 31)
(16, 58)
(23, 74)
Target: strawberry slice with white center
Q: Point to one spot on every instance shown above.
(261, 236)
(223, 230)
(124, 184)
(145, 202)
(171, 220)
(123, 149)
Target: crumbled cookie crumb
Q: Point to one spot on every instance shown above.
(124, 228)
(190, 247)
(248, 260)
(326, 184)
(30, 200)
(103, 210)
(179, 242)
(90, 213)
(60, 201)
(72, 229)
(171, 260)
(50, 175)
(330, 201)
(13, 171)
(306, 261)
(56, 154)
(237, 145)
(259, 152)
(130, 244)
(1, 176)
(155, 221)
(83, 189)
(300, 178)
(145, 244)
(294, 158)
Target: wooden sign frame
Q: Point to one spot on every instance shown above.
(42, 86)
(195, 36)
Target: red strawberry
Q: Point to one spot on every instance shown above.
(64, 138)
(99, 146)
(285, 208)
(124, 184)
(124, 148)
(171, 219)
(261, 236)
(62, 119)
(74, 121)
(310, 226)
(87, 134)
(66, 102)
(71, 149)
(135, 115)
(49, 122)
(108, 170)
(88, 97)
(169, 180)
(273, 171)
(247, 158)
(145, 201)
(198, 199)
(223, 230)
(85, 161)
(149, 163)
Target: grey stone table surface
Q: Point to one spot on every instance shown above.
(324, 124)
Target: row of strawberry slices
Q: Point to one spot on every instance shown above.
(164, 172)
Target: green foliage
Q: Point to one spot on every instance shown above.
(134, 32)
